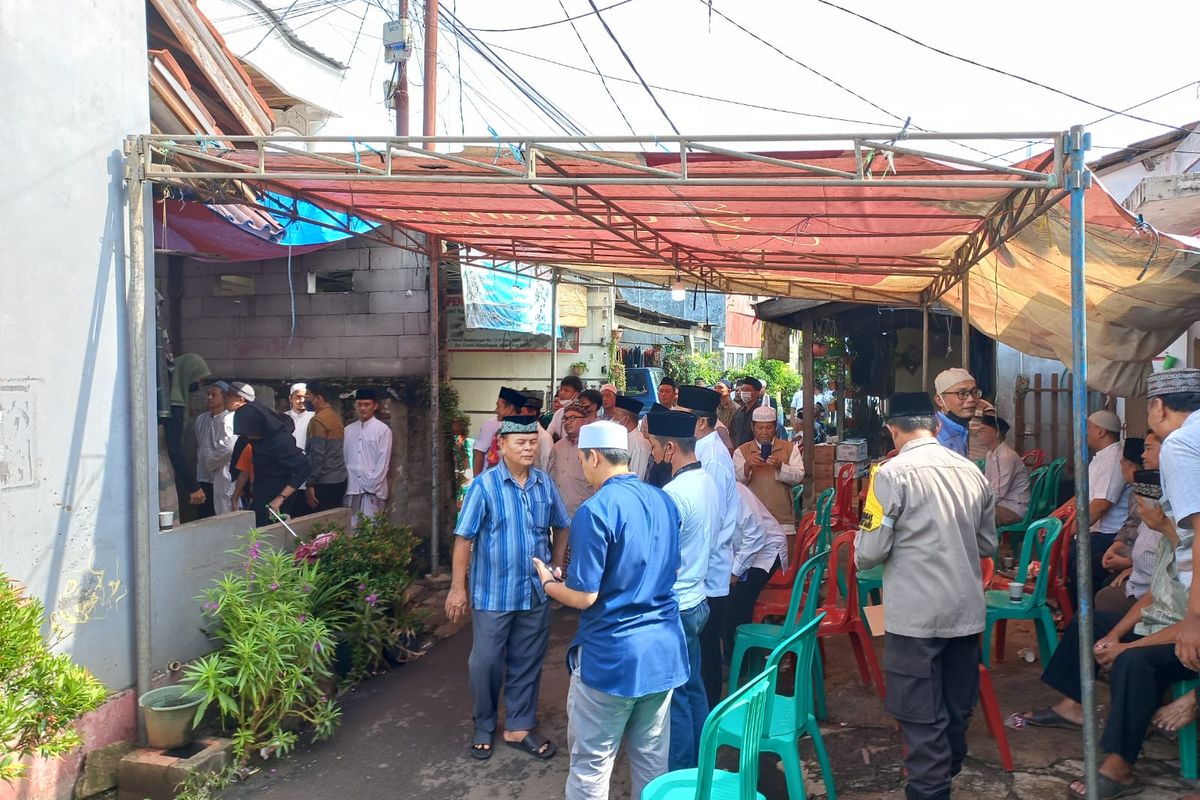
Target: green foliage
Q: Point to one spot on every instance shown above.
(687, 368)
(41, 693)
(782, 381)
(204, 785)
(275, 655)
(616, 369)
(360, 592)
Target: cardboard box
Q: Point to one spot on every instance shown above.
(824, 453)
(851, 450)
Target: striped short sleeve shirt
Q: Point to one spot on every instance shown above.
(509, 525)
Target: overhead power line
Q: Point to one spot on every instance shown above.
(596, 66)
(996, 70)
(552, 23)
(633, 67)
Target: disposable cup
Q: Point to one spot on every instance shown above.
(1016, 591)
(166, 519)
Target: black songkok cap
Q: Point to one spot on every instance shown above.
(1133, 450)
(673, 424)
(910, 404)
(993, 421)
(512, 397)
(699, 399)
(750, 381)
(533, 400)
(367, 393)
(630, 404)
(658, 408)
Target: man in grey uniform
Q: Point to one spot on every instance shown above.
(929, 518)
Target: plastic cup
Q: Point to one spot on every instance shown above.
(1016, 592)
(1008, 562)
(166, 519)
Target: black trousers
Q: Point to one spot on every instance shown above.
(742, 598)
(205, 509)
(1100, 542)
(329, 496)
(932, 690)
(266, 489)
(711, 661)
(1138, 679)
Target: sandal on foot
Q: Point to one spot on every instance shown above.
(481, 745)
(536, 745)
(1108, 789)
(1049, 718)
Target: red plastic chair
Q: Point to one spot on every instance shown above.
(777, 593)
(1034, 459)
(987, 693)
(847, 620)
(844, 518)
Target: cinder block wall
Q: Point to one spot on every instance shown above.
(379, 329)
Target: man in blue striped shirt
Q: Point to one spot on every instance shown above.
(504, 524)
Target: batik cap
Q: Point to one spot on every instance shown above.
(763, 414)
(1147, 483)
(603, 435)
(1173, 381)
(524, 424)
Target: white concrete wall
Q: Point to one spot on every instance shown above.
(478, 375)
(73, 79)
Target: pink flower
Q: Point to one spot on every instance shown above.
(372, 599)
(274, 587)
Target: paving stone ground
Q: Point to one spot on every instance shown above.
(404, 734)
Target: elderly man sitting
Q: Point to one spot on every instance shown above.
(1005, 471)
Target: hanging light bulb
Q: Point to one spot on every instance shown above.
(678, 293)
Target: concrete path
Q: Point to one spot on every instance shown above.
(404, 735)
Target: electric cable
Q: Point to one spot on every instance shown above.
(549, 24)
(633, 67)
(603, 82)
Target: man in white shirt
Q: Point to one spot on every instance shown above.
(672, 440)
(1005, 471)
(486, 448)
(760, 546)
(715, 459)
(207, 423)
(568, 390)
(368, 453)
(770, 467)
(1110, 495)
(625, 412)
(299, 413)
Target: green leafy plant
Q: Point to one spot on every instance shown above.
(687, 368)
(362, 587)
(41, 693)
(204, 785)
(275, 656)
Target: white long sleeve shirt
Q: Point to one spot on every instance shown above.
(368, 451)
(715, 459)
(759, 538)
(1009, 477)
(639, 454)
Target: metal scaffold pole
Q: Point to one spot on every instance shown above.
(1078, 181)
(435, 402)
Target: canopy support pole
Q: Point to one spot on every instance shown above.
(435, 401)
(810, 405)
(139, 414)
(1078, 180)
(925, 347)
(966, 319)
(554, 333)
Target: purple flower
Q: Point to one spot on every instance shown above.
(255, 551)
(362, 587)
(274, 587)
(372, 599)
(303, 618)
(306, 588)
(316, 647)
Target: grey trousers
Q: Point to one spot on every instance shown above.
(596, 725)
(932, 689)
(508, 648)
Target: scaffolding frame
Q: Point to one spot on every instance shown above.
(206, 162)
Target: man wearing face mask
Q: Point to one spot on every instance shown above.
(956, 396)
(750, 396)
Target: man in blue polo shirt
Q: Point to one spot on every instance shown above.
(507, 515)
(630, 650)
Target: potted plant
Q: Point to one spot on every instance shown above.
(578, 368)
(41, 693)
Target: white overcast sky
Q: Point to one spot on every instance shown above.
(1114, 54)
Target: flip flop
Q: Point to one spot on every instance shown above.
(1049, 718)
(1108, 789)
(479, 752)
(533, 744)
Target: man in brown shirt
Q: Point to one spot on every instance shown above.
(770, 467)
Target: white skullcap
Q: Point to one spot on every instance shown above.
(763, 414)
(297, 387)
(244, 390)
(1106, 420)
(603, 435)
(609, 387)
(951, 377)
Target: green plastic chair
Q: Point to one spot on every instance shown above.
(791, 718)
(1032, 606)
(749, 706)
(870, 587)
(1037, 484)
(806, 590)
(798, 500)
(1187, 734)
(825, 519)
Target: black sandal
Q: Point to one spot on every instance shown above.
(481, 745)
(533, 744)
(1049, 718)
(1108, 789)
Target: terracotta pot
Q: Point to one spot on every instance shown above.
(819, 350)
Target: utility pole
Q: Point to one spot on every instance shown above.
(400, 96)
(429, 112)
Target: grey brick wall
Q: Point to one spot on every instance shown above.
(380, 329)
